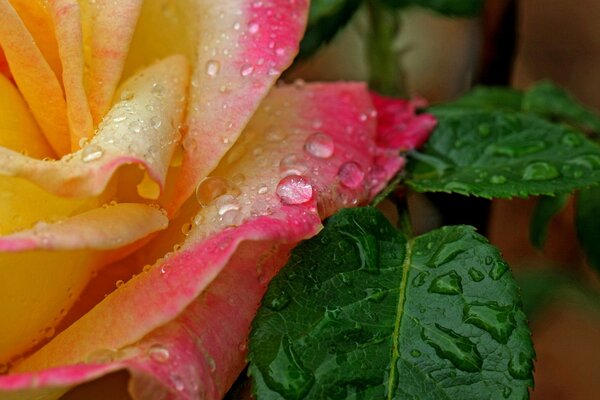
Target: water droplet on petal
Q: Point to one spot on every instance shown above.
(262, 189)
(292, 165)
(246, 70)
(351, 175)
(49, 332)
(319, 145)
(119, 283)
(91, 153)
(212, 188)
(186, 228)
(213, 67)
(253, 28)
(159, 353)
(135, 126)
(294, 189)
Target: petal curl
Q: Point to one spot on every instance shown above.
(242, 48)
(65, 253)
(142, 128)
(204, 353)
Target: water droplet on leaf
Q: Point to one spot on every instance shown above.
(450, 283)
(459, 350)
(540, 171)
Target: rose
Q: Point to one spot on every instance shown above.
(267, 166)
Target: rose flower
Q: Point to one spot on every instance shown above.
(152, 182)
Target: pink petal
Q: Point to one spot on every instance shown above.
(181, 327)
(232, 76)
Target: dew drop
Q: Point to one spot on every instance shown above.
(158, 90)
(294, 189)
(246, 70)
(253, 28)
(415, 353)
(277, 299)
(351, 175)
(186, 228)
(262, 189)
(178, 383)
(212, 188)
(506, 392)
(497, 179)
(159, 353)
(135, 126)
(476, 275)
(520, 366)
(457, 349)
(155, 122)
(540, 171)
(49, 332)
(286, 375)
(292, 165)
(92, 152)
(119, 283)
(367, 248)
(213, 67)
(496, 320)
(450, 283)
(499, 268)
(319, 145)
(419, 280)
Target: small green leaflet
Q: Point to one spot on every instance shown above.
(547, 207)
(452, 8)
(554, 103)
(360, 312)
(326, 18)
(587, 221)
(503, 155)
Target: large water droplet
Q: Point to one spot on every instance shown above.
(458, 187)
(540, 171)
(351, 175)
(459, 350)
(213, 67)
(92, 152)
(520, 366)
(499, 268)
(286, 374)
(445, 254)
(496, 320)
(450, 283)
(476, 275)
(319, 145)
(212, 188)
(294, 189)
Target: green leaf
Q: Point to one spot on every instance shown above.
(360, 312)
(587, 221)
(503, 154)
(482, 98)
(552, 102)
(451, 8)
(325, 19)
(546, 208)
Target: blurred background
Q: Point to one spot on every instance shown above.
(513, 43)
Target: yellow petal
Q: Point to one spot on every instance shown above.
(35, 78)
(18, 129)
(44, 270)
(108, 28)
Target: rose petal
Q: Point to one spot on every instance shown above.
(35, 78)
(140, 128)
(67, 21)
(399, 126)
(206, 353)
(18, 129)
(108, 28)
(243, 47)
(78, 246)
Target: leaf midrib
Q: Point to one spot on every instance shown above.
(399, 313)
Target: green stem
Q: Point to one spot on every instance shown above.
(385, 72)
